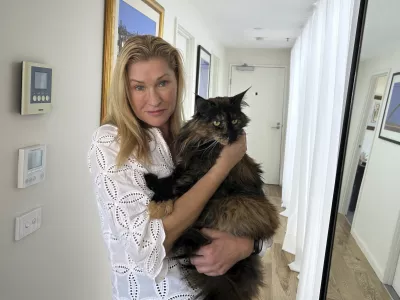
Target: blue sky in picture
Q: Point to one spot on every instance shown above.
(393, 115)
(134, 20)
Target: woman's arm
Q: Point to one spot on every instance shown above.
(217, 258)
(188, 207)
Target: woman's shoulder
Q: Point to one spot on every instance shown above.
(106, 130)
(104, 138)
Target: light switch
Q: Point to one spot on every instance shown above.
(28, 223)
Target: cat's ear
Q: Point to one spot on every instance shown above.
(203, 105)
(237, 99)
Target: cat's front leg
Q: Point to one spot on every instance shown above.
(161, 204)
(159, 210)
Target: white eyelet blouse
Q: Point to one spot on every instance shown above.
(140, 269)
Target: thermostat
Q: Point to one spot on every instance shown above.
(31, 165)
(36, 94)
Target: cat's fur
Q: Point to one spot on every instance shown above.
(239, 206)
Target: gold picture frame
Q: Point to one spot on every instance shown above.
(146, 11)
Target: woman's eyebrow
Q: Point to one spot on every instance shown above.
(164, 75)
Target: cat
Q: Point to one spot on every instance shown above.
(239, 206)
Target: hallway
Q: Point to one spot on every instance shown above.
(352, 277)
(281, 281)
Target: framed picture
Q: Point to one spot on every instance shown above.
(203, 71)
(123, 19)
(374, 113)
(390, 128)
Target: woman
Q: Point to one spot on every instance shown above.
(143, 116)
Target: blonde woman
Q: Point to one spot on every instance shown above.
(143, 116)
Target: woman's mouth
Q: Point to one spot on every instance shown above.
(156, 113)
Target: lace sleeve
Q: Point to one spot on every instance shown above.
(124, 196)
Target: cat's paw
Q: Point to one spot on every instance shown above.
(159, 210)
(151, 181)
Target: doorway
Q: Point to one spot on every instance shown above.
(185, 43)
(265, 100)
(365, 140)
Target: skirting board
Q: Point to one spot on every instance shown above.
(379, 272)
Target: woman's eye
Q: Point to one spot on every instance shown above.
(217, 123)
(163, 83)
(234, 122)
(139, 88)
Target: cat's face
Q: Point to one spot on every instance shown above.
(221, 118)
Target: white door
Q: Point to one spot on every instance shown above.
(265, 100)
(184, 41)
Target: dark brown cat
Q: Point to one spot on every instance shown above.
(239, 206)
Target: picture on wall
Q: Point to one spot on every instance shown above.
(123, 19)
(390, 128)
(203, 72)
(374, 113)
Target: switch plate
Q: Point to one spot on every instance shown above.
(28, 223)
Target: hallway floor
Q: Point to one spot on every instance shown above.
(281, 281)
(351, 276)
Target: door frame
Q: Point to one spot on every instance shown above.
(285, 101)
(355, 152)
(214, 75)
(190, 60)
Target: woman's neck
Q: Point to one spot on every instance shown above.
(166, 133)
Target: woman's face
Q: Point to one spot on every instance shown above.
(153, 91)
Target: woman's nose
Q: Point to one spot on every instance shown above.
(153, 98)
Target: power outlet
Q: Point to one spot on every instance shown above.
(28, 223)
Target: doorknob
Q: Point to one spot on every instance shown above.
(278, 126)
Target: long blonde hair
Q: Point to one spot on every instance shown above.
(133, 135)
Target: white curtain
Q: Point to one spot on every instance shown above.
(320, 63)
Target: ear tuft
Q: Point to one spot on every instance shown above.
(237, 99)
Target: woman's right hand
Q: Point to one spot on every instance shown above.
(232, 154)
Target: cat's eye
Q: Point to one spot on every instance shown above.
(217, 123)
(234, 122)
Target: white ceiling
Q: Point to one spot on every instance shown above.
(234, 21)
(382, 28)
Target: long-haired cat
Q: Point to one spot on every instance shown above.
(239, 206)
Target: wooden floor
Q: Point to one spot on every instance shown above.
(351, 276)
(281, 281)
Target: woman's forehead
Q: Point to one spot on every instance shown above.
(151, 69)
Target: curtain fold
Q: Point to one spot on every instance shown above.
(319, 67)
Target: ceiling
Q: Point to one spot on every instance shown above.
(382, 28)
(237, 23)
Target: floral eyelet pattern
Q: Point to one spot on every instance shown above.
(140, 269)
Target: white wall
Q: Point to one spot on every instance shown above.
(66, 258)
(276, 57)
(193, 22)
(378, 205)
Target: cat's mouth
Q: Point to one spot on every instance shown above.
(226, 140)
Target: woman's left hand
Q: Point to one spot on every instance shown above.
(222, 253)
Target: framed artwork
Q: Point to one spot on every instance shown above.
(203, 71)
(390, 128)
(123, 19)
(374, 113)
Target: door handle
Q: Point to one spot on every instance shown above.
(278, 126)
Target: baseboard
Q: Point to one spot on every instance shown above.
(379, 272)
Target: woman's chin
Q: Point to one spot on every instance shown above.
(156, 122)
